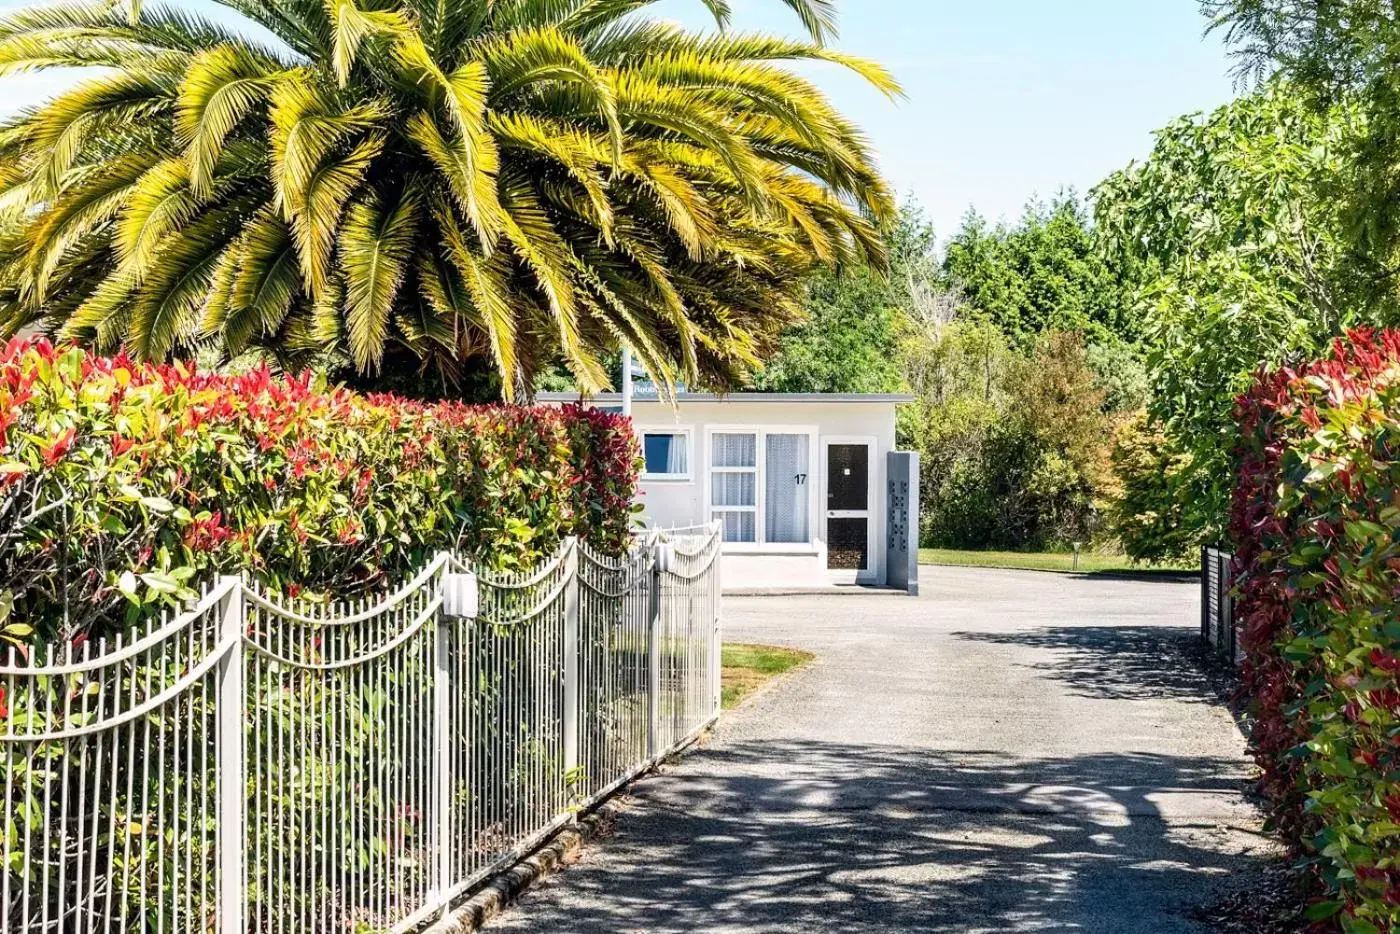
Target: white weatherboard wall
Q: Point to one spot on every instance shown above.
(824, 419)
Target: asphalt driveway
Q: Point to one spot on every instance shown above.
(1012, 751)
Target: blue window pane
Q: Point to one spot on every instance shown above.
(666, 454)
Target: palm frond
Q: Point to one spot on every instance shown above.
(308, 122)
(168, 307)
(499, 183)
(220, 88)
(321, 206)
(485, 281)
(470, 175)
(351, 26)
(527, 57)
(376, 244)
(84, 205)
(62, 129)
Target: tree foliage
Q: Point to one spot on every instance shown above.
(1043, 274)
(847, 339)
(1152, 474)
(450, 186)
(1233, 244)
(1335, 52)
(1014, 447)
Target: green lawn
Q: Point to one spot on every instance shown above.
(1089, 563)
(748, 667)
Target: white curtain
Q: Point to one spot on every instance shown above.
(733, 451)
(738, 526)
(786, 490)
(733, 489)
(735, 486)
(677, 457)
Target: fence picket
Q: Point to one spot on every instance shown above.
(572, 663)
(231, 780)
(654, 660)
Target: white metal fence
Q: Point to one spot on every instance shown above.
(257, 764)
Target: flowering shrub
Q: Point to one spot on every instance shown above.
(124, 483)
(1316, 521)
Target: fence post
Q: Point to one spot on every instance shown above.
(658, 557)
(717, 641)
(233, 784)
(442, 742)
(571, 661)
(1205, 594)
(1227, 607)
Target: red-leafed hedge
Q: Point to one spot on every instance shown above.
(1316, 523)
(124, 483)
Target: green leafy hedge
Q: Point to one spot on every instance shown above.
(1316, 520)
(124, 483)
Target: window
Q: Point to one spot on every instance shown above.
(666, 453)
(734, 485)
(760, 491)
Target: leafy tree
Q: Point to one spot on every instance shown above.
(844, 342)
(1015, 448)
(1042, 275)
(456, 186)
(1120, 375)
(847, 340)
(957, 370)
(945, 356)
(1148, 516)
(1340, 51)
(1056, 395)
(1233, 243)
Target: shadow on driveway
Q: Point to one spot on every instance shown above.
(807, 836)
(1115, 662)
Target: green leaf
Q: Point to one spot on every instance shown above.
(157, 504)
(160, 582)
(1358, 926)
(1319, 911)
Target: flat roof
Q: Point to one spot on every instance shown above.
(614, 398)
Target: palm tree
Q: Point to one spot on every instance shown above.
(464, 184)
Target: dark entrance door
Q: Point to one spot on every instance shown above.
(848, 507)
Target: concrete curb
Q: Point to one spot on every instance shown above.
(503, 890)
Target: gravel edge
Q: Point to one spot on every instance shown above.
(551, 858)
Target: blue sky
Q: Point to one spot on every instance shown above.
(1006, 98)
(1011, 98)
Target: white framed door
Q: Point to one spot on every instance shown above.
(848, 498)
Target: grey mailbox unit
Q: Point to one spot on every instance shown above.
(902, 523)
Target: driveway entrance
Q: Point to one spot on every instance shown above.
(1012, 751)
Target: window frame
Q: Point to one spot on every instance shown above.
(760, 433)
(685, 431)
